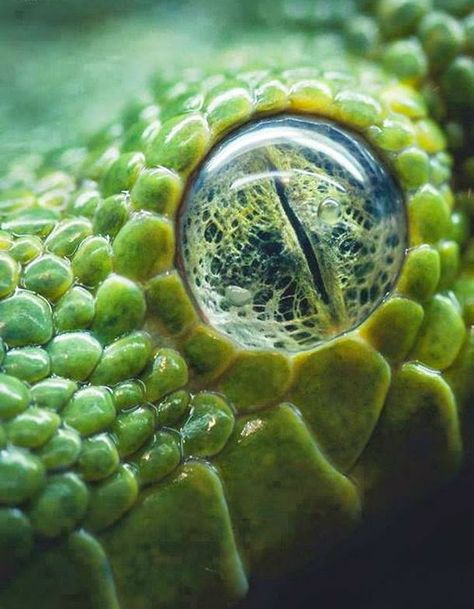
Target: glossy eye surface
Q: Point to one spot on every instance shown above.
(292, 232)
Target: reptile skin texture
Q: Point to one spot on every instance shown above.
(236, 322)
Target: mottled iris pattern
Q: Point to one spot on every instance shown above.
(153, 455)
(292, 233)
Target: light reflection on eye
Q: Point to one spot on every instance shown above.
(292, 233)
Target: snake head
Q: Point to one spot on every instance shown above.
(234, 323)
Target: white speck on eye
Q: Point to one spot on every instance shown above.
(238, 296)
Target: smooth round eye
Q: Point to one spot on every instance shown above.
(292, 232)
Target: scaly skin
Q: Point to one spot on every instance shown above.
(146, 460)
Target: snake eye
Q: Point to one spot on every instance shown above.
(292, 232)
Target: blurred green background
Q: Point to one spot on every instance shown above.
(68, 66)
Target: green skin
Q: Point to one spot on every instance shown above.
(146, 460)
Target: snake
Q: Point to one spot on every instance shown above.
(236, 322)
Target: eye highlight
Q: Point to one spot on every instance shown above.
(292, 232)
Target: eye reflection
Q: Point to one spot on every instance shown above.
(292, 232)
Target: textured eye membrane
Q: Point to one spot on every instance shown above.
(292, 233)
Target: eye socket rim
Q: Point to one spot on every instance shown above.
(365, 101)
